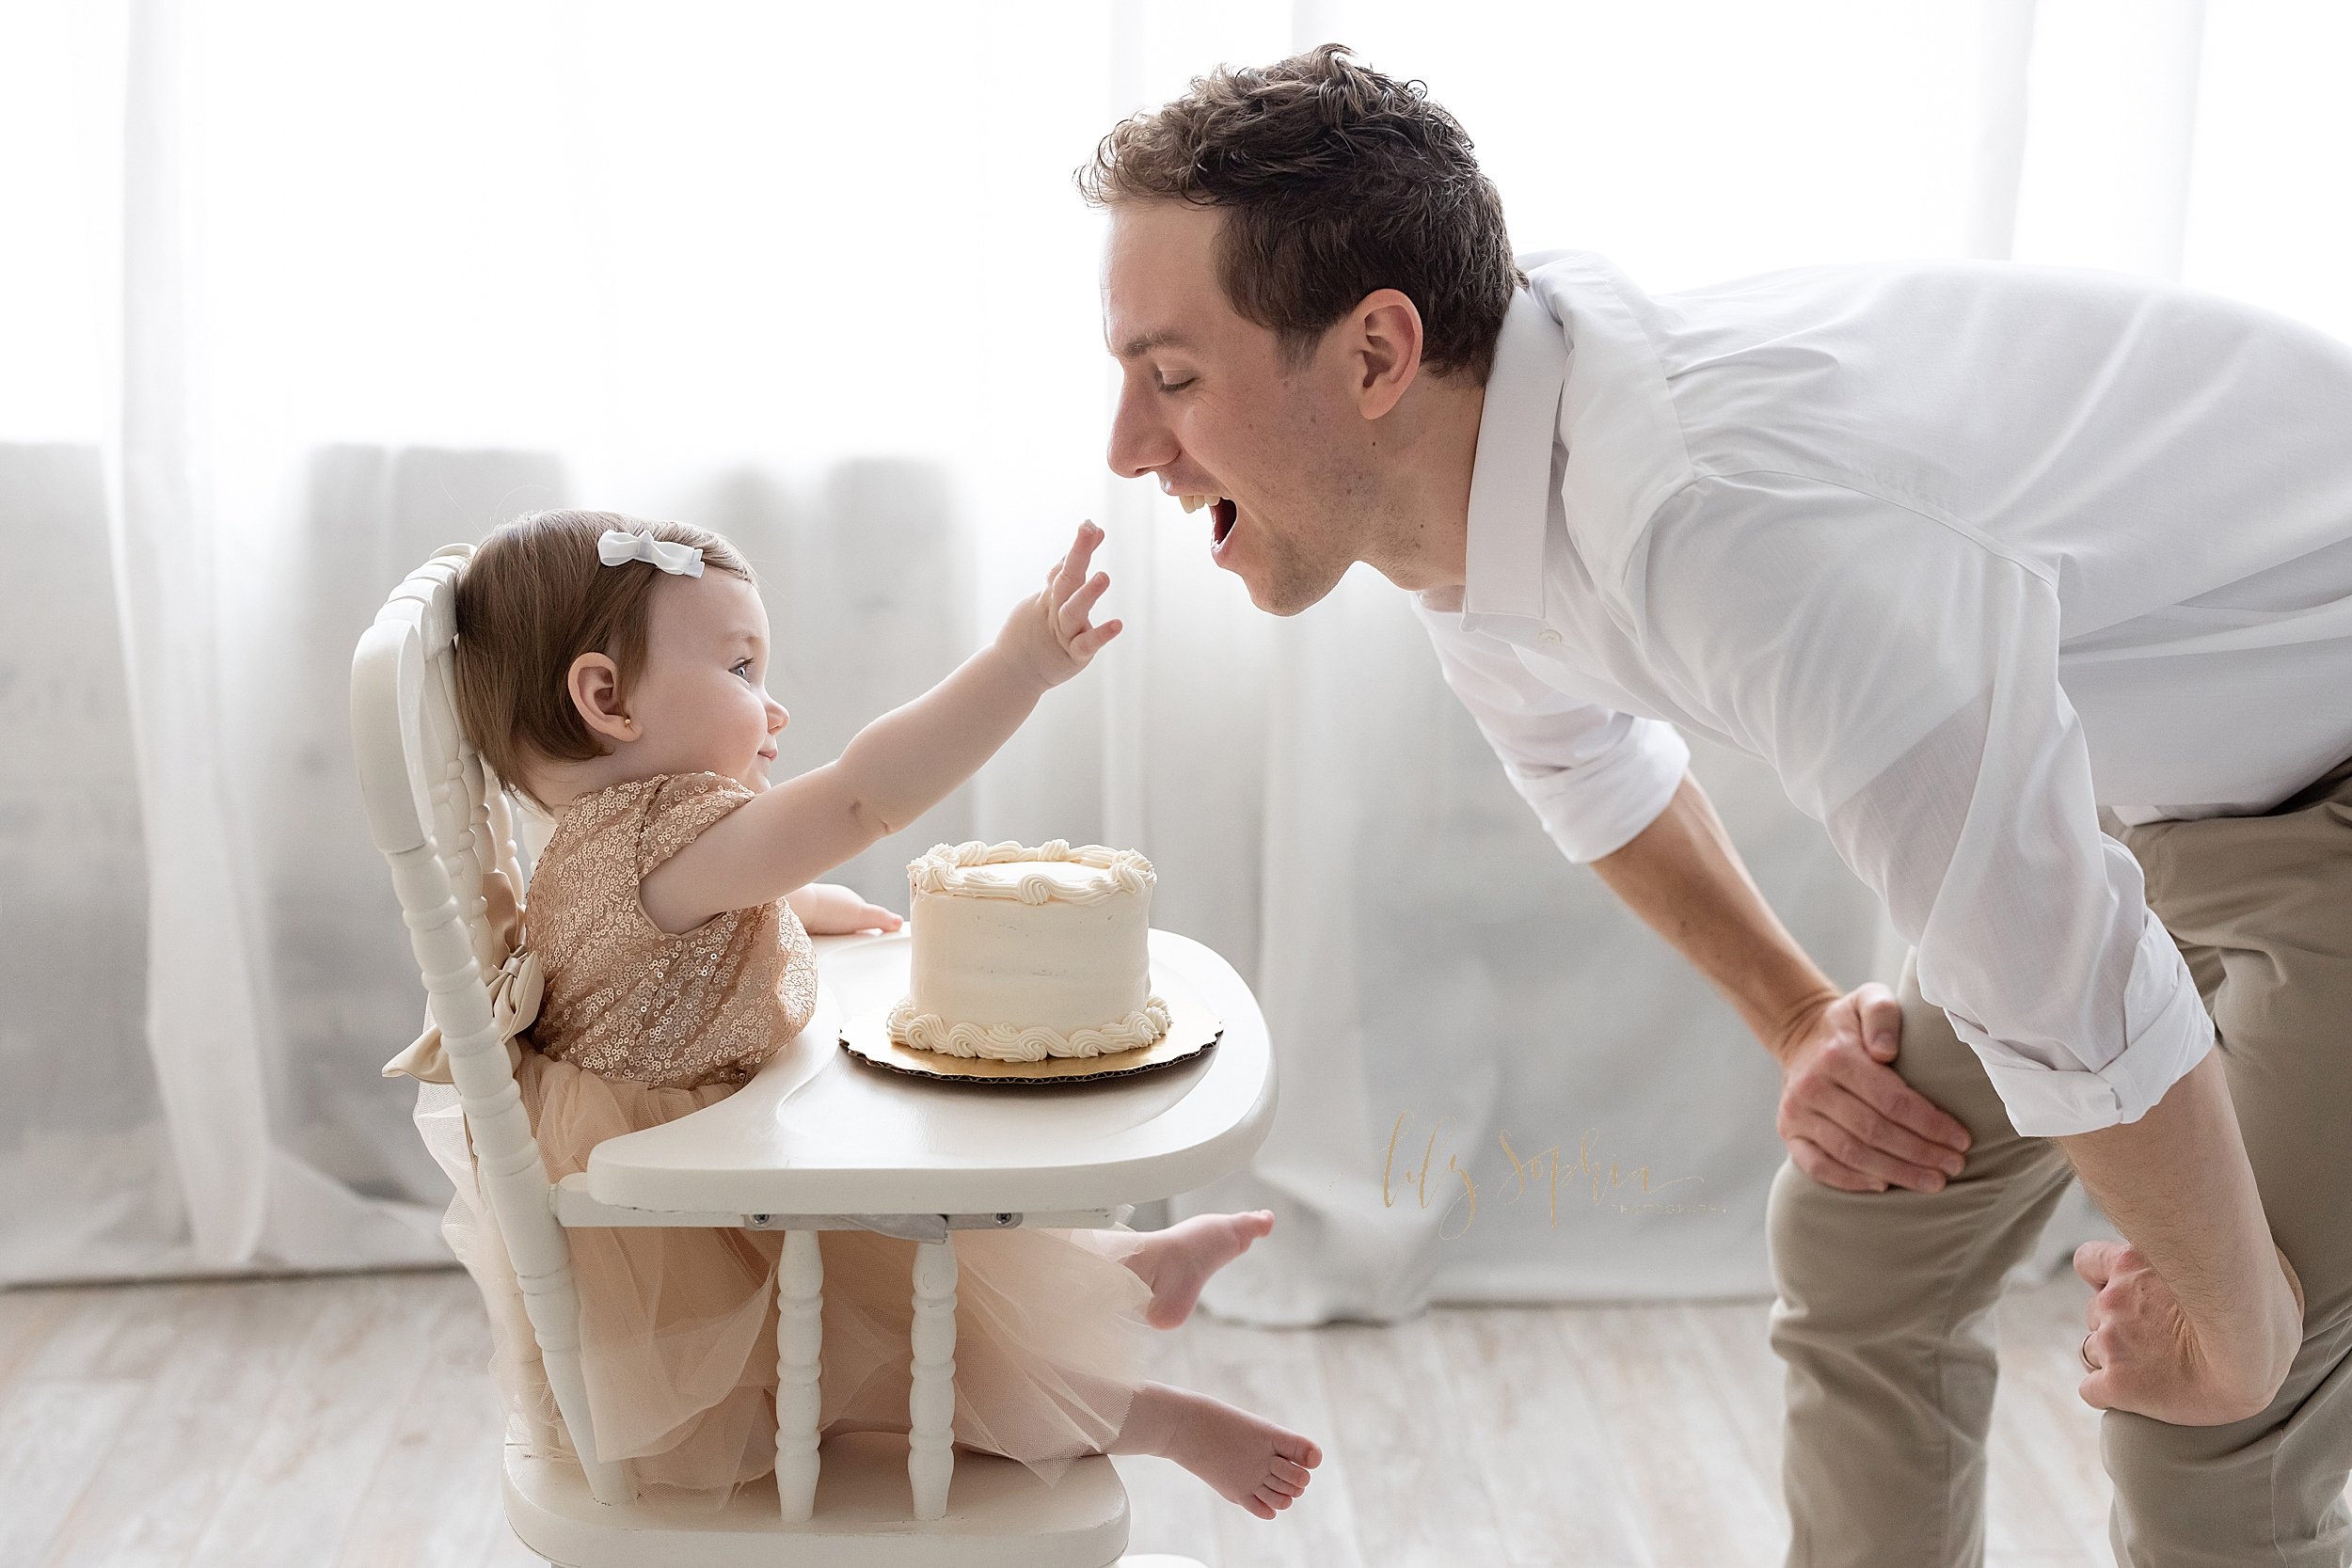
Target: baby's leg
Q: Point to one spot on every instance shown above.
(1249, 1460)
(1178, 1262)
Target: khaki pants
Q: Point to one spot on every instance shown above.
(1884, 1317)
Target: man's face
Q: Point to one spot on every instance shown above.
(1208, 403)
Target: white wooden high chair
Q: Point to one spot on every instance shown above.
(814, 1141)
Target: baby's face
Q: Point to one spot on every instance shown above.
(701, 698)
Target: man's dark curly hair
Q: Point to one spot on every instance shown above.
(1336, 181)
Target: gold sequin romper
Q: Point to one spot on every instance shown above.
(677, 1326)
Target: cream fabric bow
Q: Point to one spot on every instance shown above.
(516, 991)
(618, 545)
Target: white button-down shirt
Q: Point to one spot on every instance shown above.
(1965, 550)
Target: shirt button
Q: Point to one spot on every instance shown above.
(1548, 636)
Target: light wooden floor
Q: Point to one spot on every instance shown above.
(347, 1422)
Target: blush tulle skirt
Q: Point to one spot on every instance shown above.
(678, 1325)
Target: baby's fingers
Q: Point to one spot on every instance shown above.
(1084, 644)
(1073, 619)
(1072, 570)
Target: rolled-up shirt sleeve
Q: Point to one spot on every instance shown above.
(1594, 776)
(1901, 674)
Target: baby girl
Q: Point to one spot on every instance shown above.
(613, 673)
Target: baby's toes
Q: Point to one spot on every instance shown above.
(1297, 1449)
(1259, 1506)
(1272, 1498)
(1294, 1476)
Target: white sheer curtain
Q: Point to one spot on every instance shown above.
(292, 295)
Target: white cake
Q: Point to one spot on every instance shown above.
(1023, 954)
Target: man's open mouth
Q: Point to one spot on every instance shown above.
(1222, 513)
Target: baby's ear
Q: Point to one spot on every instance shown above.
(594, 684)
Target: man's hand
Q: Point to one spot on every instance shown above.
(829, 910)
(2199, 1319)
(1047, 636)
(1848, 1117)
(2148, 1355)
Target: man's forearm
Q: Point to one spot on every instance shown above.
(2177, 1184)
(1683, 878)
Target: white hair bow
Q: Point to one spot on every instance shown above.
(617, 545)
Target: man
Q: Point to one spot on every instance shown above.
(1980, 559)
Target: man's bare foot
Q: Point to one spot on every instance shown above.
(1177, 1262)
(1245, 1458)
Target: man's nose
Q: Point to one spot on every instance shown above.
(1140, 442)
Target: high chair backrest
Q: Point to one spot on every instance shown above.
(441, 822)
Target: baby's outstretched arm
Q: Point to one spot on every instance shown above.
(897, 768)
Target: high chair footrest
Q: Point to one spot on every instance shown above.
(999, 1516)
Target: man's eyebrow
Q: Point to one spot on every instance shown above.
(1150, 340)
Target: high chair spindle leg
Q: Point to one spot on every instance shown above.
(931, 1458)
(799, 1334)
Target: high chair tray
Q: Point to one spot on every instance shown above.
(815, 1131)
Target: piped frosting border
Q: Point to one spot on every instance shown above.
(945, 868)
(1012, 1043)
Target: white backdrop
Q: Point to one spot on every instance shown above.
(289, 294)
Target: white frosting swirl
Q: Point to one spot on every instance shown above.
(1012, 1043)
(960, 869)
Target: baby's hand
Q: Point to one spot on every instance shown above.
(1047, 634)
(829, 910)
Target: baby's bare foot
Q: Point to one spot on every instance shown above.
(1245, 1458)
(1176, 1262)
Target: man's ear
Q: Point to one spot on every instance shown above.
(1388, 332)
(594, 684)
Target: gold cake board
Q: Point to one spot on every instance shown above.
(1192, 1029)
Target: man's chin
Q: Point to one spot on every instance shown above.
(1288, 597)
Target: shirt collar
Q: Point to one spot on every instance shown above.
(1575, 367)
(1510, 501)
